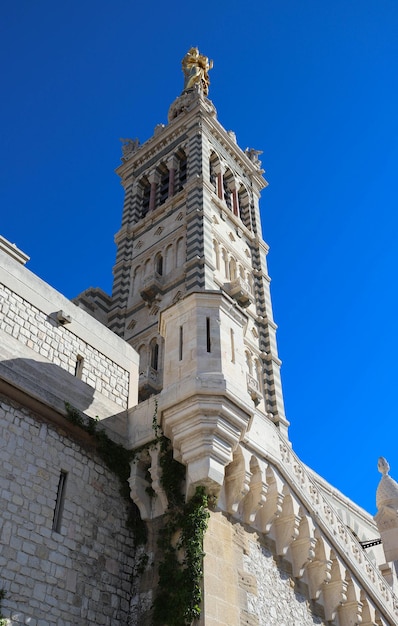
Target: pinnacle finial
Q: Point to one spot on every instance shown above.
(383, 466)
(196, 67)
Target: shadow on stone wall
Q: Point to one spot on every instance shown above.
(46, 382)
(45, 387)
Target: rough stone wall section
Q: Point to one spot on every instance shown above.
(273, 601)
(82, 574)
(33, 328)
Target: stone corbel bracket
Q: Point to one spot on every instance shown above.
(145, 488)
(205, 430)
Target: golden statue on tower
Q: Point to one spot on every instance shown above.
(196, 67)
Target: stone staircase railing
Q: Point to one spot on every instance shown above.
(298, 477)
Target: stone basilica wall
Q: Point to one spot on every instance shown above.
(246, 584)
(273, 599)
(82, 574)
(33, 328)
(54, 351)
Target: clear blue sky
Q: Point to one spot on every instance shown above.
(314, 85)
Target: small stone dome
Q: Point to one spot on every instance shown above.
(387, 491)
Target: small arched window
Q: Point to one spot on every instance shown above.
(182, 169)
(217, 253)
(142, 351)
(244, 206)
(159, 264)
(147, 268)
(259, 372)
(232, 269)
(250, 281)
(213, 165)
(249, 362)
(135, 283)
(163, 188)
(169, 259)
(226, 263)
(145, 189)
(228, 183)
(180, 256)
(154, 354)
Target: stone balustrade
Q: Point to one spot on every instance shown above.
(275, 495)
(239, 289)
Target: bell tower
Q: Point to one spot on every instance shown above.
(191, 287)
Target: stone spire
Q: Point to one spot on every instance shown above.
(387, 491)
(387, 515)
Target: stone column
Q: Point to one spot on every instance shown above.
(153, 180)
(219, 172)
(172, 167)
(235, 202)
(220, 185)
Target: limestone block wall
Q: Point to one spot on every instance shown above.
(82, 574)
(53, 351)
(203, 335)
(39, 332)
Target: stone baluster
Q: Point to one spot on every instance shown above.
(237, 482)
(303, 548)
(256, 497)
(319, 569)
(272, 506)
(350, 612)
(335, 591)
(368, 611)
(286, 526)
